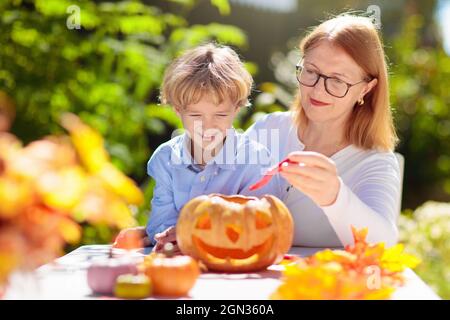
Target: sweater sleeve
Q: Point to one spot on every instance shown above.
(372, 202)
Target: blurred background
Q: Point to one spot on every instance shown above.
(104, 61)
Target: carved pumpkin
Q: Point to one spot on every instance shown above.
(235, 233)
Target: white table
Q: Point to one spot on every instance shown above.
(65, 278)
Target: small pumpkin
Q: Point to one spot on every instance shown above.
(130, 286)
(235, 233)
(171, 276)
(102, 274)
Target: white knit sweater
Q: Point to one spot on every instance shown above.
(369, 194)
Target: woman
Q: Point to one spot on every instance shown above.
(340, 130)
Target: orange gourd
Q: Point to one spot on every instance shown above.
(171, 276)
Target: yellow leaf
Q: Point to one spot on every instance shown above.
(340, 256)
(395, 260)
(70, 230)
(88, 143)
(120, 215)
(62, 189)
(8, 262)
(121, 184)
(338, 274)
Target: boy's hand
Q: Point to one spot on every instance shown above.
(168, 235)
(132, 238)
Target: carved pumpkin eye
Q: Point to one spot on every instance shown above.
(233, 232)
(204, 222)
(262, 220)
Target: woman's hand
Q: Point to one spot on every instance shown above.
(313, 174)
(168, 235)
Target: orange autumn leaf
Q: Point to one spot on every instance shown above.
(329, 281)
(359, 236)
(361, 271)
(12, 248)
(15, 196)
(50, 186)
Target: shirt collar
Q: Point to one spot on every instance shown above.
(225, 159)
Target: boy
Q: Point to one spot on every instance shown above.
(206, 86)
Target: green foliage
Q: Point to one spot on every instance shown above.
(419, 92)
(425, 234)
(108, 71)
(222, 5)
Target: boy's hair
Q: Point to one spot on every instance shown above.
(210, 70)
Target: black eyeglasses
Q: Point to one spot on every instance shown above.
(334, 86)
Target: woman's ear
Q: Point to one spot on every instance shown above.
(370, 85)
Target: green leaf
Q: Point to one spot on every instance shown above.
(165, 113)
(141, 24)
(24, 36)
(53, 7)
(222, 5)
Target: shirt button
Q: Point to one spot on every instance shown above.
(202, 178)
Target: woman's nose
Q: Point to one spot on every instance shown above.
(319, 88)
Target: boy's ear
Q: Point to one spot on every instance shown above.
(177, 111)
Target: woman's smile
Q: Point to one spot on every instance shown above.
(318, 103)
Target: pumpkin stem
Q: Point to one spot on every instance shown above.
(168, 249)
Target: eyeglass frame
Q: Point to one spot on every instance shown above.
(299, 66)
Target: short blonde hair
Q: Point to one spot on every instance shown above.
(210, 70)
(371, 125)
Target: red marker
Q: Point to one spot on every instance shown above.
(269, 174)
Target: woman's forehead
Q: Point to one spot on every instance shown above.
(332, 59)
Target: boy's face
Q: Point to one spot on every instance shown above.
(207, 122)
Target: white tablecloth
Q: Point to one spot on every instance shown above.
(65, 278)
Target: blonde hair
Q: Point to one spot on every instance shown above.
(207, 70)
(370, 125)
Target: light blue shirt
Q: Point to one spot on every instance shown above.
(240, 163)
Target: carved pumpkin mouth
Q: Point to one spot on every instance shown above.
(234, 256)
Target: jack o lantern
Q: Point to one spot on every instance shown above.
(235, 233)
